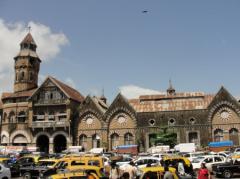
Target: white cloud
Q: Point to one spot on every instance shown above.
(132, 91)
(11, 34)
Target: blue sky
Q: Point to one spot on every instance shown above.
(112, 44)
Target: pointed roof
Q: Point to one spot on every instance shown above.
(28, 40)
(223, 95)
(67, 90)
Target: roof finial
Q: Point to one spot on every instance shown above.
(170, 90)
(29, 28)
(103, 98)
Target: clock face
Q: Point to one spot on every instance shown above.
(224, 115)
(121, 119)
(89, 120)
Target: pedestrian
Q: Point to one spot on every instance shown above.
(203, 172)
(167, 174)
(131, 169)
(115, 171)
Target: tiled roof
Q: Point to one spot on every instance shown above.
(179, 101)
(18, 94)
(28, 39)
(71, 93)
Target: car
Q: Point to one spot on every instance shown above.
(124, 160)
(192, 155)
(144, 161)
(156, 172)
(227, 170)
(209, 160)
(5, 172)
(74, 175)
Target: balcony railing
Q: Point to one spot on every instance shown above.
(50, 124)
(50, 101)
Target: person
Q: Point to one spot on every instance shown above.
(167, 174)
(131, 169)
(114, 172)
(181, 169)
(203, 172)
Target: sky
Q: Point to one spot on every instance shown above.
(112, 45)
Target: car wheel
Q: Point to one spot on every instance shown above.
(27, 175)
(227, 174)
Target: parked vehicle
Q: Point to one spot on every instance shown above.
(144, 161)
(5, 172)
(192, 155)
(209, 160)
(156, 172)
(124, 160)
(227, 170)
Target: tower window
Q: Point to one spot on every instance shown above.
(31, 76)
(22, 75)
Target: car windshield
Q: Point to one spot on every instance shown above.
(197, 154)
(197, 160)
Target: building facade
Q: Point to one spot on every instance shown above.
(53, 116)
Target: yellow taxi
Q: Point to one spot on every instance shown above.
(74, 175)
(156, 172)
(86, 160)
(171, 159)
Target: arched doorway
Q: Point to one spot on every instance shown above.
(43, 143)
(128, 139)
(114, 141)
(60, 143)
(218, 135)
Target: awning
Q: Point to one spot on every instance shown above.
(19, 139)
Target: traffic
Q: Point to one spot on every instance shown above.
(96, 164)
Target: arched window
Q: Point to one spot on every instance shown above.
(11, 117)
(218, 135)
(83, 141)
(114, 141)
(22, 116)
(233, 136)
(95, 141)
(128, 139)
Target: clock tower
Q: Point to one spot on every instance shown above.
(27, 65)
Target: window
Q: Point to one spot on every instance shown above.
(171, 121)
(83, 141)
(151, 122)
(94, 163)
(218, 135)
(95, 141)
(208, 160)
(31, 76)
(22, 116)
(128, 139)
(218, 159)
(114, 140)
(192, 120)
(22, 75)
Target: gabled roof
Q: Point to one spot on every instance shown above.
(28, 39)
(94, 103)
(223, 95)
(176, 102)
(120, 101)
(67, 90)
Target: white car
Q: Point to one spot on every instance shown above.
(5, 172)
(125, 160)
(144, 161)
(193, 155)
(209, 160)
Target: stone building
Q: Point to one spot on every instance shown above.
(37, 116)
(53, 115)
